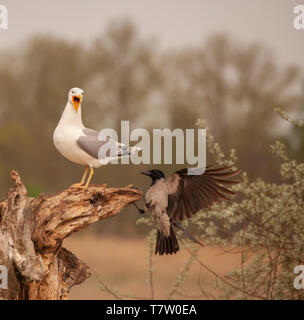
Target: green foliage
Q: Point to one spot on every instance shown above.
(265, 223)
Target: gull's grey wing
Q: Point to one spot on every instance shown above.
(90, 132)
(91, 145)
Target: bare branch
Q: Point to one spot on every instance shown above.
(32, 232)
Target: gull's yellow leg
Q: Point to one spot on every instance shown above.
(84, 175)
(80, 184)
(89, 178)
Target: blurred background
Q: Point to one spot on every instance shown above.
(158, 64)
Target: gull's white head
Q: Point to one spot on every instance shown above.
(75, 97)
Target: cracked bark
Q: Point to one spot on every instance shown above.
(32, 231)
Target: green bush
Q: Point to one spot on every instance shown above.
(269, 220)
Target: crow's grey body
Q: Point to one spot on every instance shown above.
(156, 200)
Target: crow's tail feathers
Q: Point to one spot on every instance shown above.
(187, 233)
(166, 245)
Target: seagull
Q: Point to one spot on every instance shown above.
(179, 197)
(81, 145)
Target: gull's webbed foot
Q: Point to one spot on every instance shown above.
(81, 184)
(77, 186)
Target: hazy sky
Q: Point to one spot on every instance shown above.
(173, 22)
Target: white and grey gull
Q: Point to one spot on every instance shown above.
(81, 145)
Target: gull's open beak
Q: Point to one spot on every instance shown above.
(146, 173)
(76, 101)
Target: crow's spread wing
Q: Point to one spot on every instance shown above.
(196, 192)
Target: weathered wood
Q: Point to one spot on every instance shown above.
(32, 231)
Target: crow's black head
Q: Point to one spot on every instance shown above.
(154, 174)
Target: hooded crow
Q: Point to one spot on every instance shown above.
(180, 196)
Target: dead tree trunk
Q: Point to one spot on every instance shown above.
(32, 231)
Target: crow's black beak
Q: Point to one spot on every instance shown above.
(146, 173)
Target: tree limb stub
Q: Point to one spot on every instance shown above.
(32, 231)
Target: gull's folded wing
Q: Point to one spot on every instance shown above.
(91, 145)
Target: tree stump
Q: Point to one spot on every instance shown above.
(32, 231)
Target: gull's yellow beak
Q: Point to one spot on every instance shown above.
(76, 101)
